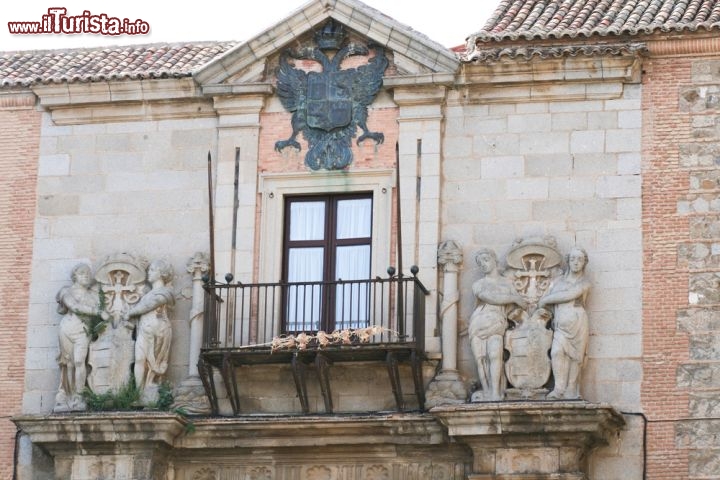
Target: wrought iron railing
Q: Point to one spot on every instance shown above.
(241, 315)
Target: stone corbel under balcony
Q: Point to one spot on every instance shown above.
(530, 440)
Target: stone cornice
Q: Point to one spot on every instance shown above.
(118, 101)
(64, 432)
(503, 420)
(540, 70)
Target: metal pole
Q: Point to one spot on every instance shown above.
(400, 304)
(211, 219)
(236, 205)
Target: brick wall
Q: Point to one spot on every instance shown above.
(681, 207)
(19, 138)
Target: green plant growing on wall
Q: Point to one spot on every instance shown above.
(94, 324)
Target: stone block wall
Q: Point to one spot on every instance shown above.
(103, 188)
(19, 139)
(681, 299)
(570, 168)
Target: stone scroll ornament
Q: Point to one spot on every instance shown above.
(329, 106)
(535, 313)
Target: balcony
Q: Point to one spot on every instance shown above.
(305, 324)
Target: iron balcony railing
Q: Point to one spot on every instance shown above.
(388, 310)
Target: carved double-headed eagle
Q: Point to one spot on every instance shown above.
(329, 106)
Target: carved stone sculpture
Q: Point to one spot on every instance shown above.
(571, 330)
(530, 322)
(495, 294)
(77, 303)
(121, 278)
(154, 332)
(329, 106)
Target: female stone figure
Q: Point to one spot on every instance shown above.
(154, 332)
(75, 302)
(488, 322)
(570, 323)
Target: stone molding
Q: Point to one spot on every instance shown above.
(554, 439)
(530, 440)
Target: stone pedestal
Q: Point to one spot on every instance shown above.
(111, 446)
(530, 440)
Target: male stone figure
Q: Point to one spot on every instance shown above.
(154, 332)
(76, 303)
(494, 294)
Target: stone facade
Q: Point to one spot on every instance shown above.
(614, 150)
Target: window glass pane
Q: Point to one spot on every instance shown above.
(354, 218)
(307, 220)
(303, 301)
(352, 299)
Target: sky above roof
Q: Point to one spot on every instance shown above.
(448, 22)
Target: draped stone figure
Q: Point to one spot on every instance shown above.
(154, 331)
(570, 322)
(76, 303)
(495, 295)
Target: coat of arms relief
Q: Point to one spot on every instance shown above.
(330, 105)
(529, 330)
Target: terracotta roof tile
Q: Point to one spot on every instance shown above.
(162, 60)
(544, 19)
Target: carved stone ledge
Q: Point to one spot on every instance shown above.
(117, 445)
(312, 431)
(530, 440)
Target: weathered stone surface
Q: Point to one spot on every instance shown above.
(706, 71)
(704, 226)
(705, 404)
(705, 180)
(704, 463)
(700, 99)
(699, 375)
(705, 346)
(704, 288)
(695, 320)
(525, 437)
(699, 154)
(697, 256)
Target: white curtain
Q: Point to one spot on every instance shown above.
(352, 300)
(307, 220)
(354, 218)
(303, 302)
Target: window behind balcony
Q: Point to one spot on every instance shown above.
(327, 239)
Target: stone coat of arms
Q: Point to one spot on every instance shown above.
(329, 106)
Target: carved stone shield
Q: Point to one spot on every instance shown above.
(528, 367)
(121, 278)
(532, 263)
(329, 103)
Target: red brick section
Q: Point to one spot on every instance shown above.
(665, 285)
(19, 143)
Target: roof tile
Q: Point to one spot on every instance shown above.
(162, 60)
(543, 19)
